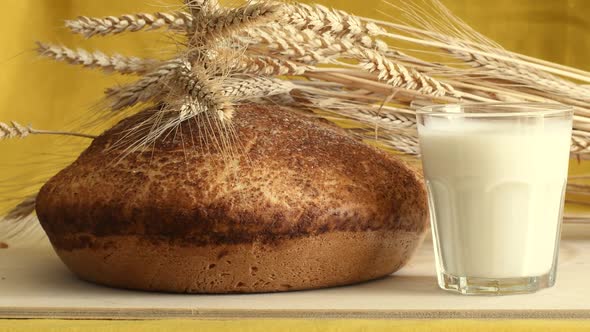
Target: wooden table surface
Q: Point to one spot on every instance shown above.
(34, 284)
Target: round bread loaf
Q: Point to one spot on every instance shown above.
(298, 205)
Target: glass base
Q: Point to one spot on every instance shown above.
(495, 286)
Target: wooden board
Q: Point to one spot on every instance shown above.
(34, 284)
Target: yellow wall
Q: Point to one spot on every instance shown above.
(54, 96)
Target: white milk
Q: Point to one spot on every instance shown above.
(496, 187)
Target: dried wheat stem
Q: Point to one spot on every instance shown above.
(92, 26)
(16, 130)
(374, 115)
(62, 133)
(23, 209)
(580, 142)
(381, 88)
(400, 140)
(97, 59)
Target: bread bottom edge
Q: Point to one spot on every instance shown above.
(325, 260)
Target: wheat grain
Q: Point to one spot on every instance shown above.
(92, 26)
(97, 59)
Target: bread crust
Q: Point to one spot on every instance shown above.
(325, 260)
(290, 183)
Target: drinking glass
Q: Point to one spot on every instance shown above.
(496, 175)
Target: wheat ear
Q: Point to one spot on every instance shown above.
(97, 59)
(199, 7)
(200, 94)
(530, 77)
(92, 26)
(379, 118)
(150, 86)
(398, 75)
(334, 22)
(14, 130)
(309, 46)
(257, 87)
(228, 21)
(267, 66)
(305, 46)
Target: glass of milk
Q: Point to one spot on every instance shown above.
(496, 176)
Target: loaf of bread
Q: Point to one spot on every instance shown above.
(295, 204)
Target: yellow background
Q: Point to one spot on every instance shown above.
(52, 95)
(56, 96)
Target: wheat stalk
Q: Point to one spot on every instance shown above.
(92, 26)
(97, 59)
(23, 209)
(16, 130)
(399, 140)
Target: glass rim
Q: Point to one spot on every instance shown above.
(496, 109)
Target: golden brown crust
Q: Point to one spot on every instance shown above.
(292, 179)
(329, 259)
